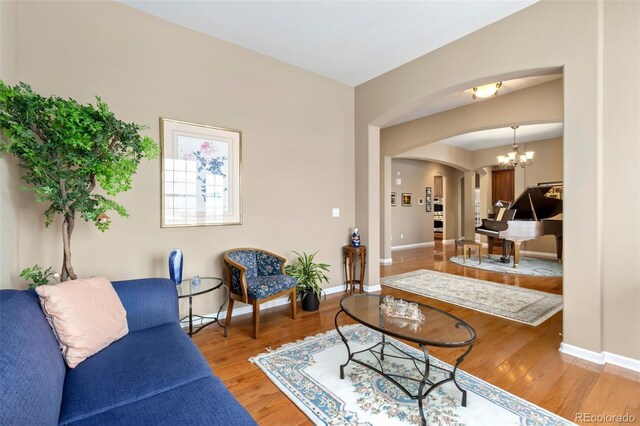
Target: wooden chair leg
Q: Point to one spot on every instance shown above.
(227, 322)
(294, 303)
(256, 318)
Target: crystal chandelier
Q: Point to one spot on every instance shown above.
(515, 158)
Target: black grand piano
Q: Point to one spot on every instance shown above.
(527, 218)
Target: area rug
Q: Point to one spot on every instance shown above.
(308, 372)
(529, 307)
(527, 266)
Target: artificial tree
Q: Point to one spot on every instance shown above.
(66, 150)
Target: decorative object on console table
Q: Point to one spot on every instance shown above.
(406, 199)
(175, 266)
(200, 174)
(350, 254)
(51, 136)
(355, 237)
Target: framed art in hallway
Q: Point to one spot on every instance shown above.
(428, 208)
(406, 199)
(200, 174)
(393, 199)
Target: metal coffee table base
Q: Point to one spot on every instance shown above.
(423, 366)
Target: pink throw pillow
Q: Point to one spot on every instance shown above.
(86, 316)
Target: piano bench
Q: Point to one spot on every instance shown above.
(467, 245)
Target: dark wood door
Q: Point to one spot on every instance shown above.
(502, 185)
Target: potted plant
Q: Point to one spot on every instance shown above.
(309, 276)
(68, 152)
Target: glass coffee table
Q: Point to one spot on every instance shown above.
(438, 328)
(187, 289)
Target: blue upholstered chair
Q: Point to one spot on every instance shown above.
(257, 276)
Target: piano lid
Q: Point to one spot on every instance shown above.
(545, 207)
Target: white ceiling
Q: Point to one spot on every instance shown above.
(349, 41)
(483, 139)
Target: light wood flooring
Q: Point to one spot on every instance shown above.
(520, 359)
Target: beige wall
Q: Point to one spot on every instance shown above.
(8, 168)
(298, 150)
(556, 34)
(620, 197)
(542, 103)
(414, 222)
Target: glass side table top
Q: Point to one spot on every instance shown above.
(207, 284)
(437, 329)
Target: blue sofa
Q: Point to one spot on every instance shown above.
(154, 375)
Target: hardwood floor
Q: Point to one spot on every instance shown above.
(521, 359)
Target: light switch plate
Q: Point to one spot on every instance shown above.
(336, 212)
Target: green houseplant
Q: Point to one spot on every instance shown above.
(309, 276)
(67, 151)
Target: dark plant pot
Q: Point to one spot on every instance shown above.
(310, 302)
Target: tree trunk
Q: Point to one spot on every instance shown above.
(67, 230)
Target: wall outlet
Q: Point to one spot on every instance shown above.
(335, 212)
(401, 236)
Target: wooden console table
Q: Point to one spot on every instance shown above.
(350, 254)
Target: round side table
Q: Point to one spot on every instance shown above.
(350, 255)
(207, 284)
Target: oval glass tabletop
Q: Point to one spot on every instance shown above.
(438, 328)
(186, 288)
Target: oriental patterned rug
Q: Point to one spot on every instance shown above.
(528, 265)
(523, 305)
(308, 372)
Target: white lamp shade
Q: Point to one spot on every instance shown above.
(523, 158)
(512, 155)
(529, 155)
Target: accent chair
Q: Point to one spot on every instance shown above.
(257, 276)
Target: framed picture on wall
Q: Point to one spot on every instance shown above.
(428, 191)
(428, 208)
(393, 199)
(428, 198)
(420, 201)
(200, 174)
(406, 199)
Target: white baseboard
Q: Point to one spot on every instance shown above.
(241, 308)
(387, 261)
(601, 357)
(410, 246)
(586, 354)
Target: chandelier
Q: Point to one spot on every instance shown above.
(515, 158)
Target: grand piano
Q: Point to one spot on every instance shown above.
(530, 216)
